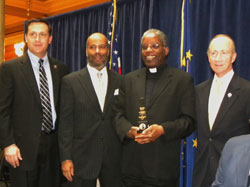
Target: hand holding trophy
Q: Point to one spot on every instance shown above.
(142, 116)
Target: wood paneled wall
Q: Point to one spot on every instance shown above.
(16, 14)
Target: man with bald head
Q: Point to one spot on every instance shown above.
(89, 146)
(223, 109)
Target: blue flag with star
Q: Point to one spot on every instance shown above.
(189, 145)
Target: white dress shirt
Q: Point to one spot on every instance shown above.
(35, 66)
(217, 92)
(100, 85)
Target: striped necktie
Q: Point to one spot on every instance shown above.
(47, 122)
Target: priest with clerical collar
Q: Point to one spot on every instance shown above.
(151, 157)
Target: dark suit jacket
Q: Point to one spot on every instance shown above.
(172, 106)
(86, 134)
(234, 165)
(20, 106)
(232, 120)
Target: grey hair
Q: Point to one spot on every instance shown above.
(160, 34)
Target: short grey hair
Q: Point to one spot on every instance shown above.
(162, 36)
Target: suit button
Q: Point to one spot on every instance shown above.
(210, 139)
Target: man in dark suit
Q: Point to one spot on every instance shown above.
(89, 146)
(30, 148)
(234, 165)
(162, 99)
(223, 109)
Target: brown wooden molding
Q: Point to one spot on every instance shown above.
(22, 12)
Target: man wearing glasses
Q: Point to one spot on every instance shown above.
(161, 99)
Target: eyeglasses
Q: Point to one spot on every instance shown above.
(152, 46)
(100, 47)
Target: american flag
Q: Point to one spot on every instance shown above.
(115, 61)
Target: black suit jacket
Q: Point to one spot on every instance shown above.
(232, 120)
(20, 106)
(86, 134)
(172, 106)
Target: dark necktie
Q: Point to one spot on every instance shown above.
(45, 99)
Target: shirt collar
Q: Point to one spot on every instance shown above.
(93, 70)
(226, 78)
(34, 59)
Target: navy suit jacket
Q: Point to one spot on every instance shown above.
(234, 165)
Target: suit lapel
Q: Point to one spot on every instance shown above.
(230, 97)
(29, 76)
(204, 97)
(86, 83)
(140, 83)
(110, 89)
(55, 79)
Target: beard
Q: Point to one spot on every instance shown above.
(97, 66)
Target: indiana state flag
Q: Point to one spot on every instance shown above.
(189, 145)
(115, 61)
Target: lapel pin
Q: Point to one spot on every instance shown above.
(229, 95)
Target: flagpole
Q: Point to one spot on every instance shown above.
(112, 35)
(182, 34)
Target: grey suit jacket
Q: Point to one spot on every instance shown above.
(172, 106)
(234, 163)
(86, 134)
(20, 106)
(232, 120)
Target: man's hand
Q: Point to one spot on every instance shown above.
(150, 134)
(68, 169)
(12, 155)
(133, 132)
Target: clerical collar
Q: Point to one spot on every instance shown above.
(156, 70)
(152, 70)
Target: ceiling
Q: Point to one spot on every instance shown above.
(17, 11)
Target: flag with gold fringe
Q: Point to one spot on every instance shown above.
(189, 145)
(115, 60)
